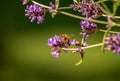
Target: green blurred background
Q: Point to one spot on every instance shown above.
(25, 55)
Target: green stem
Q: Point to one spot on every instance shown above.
(40, 4)
(115, 17)
(105, 34)
(103, 10)
(91, 46)
(115, 7)
(57, 3)
(109, 31)
(78, 2)
(117, 24)
(83, 38)
(107, 9)
(103, 1)
(82, 18)
(61, 8)
(79, 62)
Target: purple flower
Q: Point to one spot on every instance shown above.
(55, 54)
(35, 12)
(72, 42)
(109, 21)
(50, 41)
(90, 9)
(88, 28)
(40, 19)
(52, 9)
(55, 41)
(58, 42)
(75, 6)
(85, 24)
(84, 44)
(112, 42)
(63, 41)
(25, 2)
(77, 44)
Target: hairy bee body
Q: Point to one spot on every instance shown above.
(66, 38)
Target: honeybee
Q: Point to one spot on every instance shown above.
(66, 38)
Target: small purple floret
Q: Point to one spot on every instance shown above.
(25, 2)
(88, 28)
(75, 6)
(56, 43)
(55, 54)
(90, 9)
(112, 42)
(52, 8)
(35, 12)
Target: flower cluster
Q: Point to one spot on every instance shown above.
(112, 42)
(58, 42)
(90, 9)
(75, 6)
(35, 12)
(88, 28)
(63, 41)
(52, 8)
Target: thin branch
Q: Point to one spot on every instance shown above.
(107, 9)
(82, 18)
(109, 31)
(61, 8)
(103, 1)
(103, 10)
(91, 46)
(117, 17)
(105, 34)
(40, 4)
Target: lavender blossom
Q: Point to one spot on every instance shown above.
(77, 44)
(90, 9)
(112, 43)
(56, 43)
(55, 54)
(35, 12)
(52, 9)
(75, 6)
(88, 28)
(25, 2)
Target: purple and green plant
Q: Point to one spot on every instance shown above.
(90, 10)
